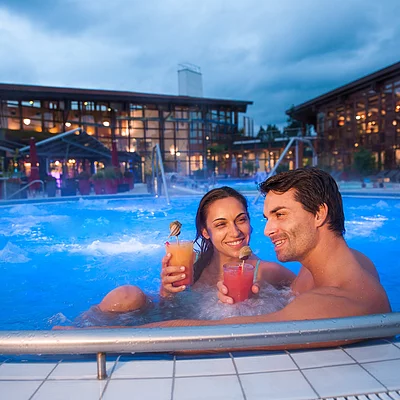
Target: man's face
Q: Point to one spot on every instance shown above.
(291, 229)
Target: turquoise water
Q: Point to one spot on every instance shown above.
(59, 259)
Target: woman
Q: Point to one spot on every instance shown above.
(222, 229)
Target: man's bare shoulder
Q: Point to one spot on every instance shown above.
(366, 296)
(275, 274)
(365, 263)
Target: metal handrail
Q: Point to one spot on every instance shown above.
(156, 162)
(23, 188)
(197, 338)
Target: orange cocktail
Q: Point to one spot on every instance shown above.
(182, 255)
(238, 279)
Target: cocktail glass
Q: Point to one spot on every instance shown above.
(238, 278)
(182, 255)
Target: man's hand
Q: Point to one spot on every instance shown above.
(169, 275)
(223, 292)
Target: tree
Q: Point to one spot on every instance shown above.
(269, 134)
(293, 126)
(273, 132)
(364, 162)
(262, 134)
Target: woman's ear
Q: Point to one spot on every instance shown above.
(205, 234)
(321, 215)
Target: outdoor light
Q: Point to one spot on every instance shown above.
(178, 153)
(106, 123)
(207, 137)
(85, 103)
(27, 121)
(57, 162)
(358, 117)
(109, 109)
(68, 124)
(31, 102)
(394, 122)
(355, 144)
(226, 155)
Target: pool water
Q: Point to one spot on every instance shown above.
(57, 260)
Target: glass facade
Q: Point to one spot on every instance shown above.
(363, 114)
(182, 128)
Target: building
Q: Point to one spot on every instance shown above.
(184, 127)
(362, 114)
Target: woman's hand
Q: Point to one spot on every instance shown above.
(169, 275)
(223, 292)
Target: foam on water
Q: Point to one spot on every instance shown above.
(99, 247)
(13, 254)
(201, 303)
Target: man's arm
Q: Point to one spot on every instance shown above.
(319, 303)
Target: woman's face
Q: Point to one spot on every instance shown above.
(227, 226)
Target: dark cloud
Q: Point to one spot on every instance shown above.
(275, 54)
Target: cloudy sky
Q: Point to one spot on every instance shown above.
(275, 53)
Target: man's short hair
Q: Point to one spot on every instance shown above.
(313, 188)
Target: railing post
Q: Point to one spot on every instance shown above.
(101, 366)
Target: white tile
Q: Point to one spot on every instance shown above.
(143, 369)
(321, 358)
(78, 370)
(18, 390)
(67, 390)
(377, 352)
(143, 389)
(267, 363)
(288, 385)
(387, 372)
(344, 380)
(208, 388)
(206, 366)
(23, 371)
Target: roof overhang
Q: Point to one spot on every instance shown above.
(306, 112)
(10, 91)
(74, 144)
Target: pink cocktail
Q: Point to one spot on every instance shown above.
(238, 280)
(182, 255)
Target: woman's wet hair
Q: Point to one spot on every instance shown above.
(313, 188)
(205, 245)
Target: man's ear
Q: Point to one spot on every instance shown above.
(205, 234)
(321, 215)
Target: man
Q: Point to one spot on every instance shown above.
(305, 222)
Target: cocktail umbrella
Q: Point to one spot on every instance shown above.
(34, 165)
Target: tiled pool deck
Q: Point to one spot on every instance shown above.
(349, 372)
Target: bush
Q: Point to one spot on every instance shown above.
(128, 174)
(364, 162)
(98, 175)
(83, 175)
